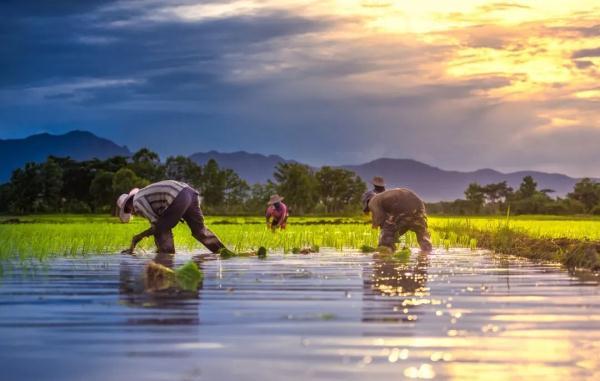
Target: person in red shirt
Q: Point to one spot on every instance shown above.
(277, 213)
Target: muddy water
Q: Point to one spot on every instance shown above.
(451, 315)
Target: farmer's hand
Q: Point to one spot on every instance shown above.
(134, 242)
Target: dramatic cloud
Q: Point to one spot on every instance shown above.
(460, 85)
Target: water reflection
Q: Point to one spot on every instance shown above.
(142, 284)
(393, 287)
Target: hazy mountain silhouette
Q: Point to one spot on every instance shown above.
(252, 167)
(435, 184)
(432, 183)
(79, 145)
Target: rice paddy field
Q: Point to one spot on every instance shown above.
(40, 237)
(75, 308)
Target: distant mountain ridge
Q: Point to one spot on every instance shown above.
(79, 145)
(432, 183)
(435, 184)
(252, 167)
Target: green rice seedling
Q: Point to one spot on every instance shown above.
(158, 277)
(67, 235)
(367, 249)
(402, 254)
(189, 276)
(262, 252)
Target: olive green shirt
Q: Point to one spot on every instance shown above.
(393, 204)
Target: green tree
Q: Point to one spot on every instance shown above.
(222, 189)
(101, 190)
(528, 188)
(587, 192)
(184, 169)
(297, 183)
(146, 164)
(214, 184)
(259, 196)
(6, 196)
(52, 178)
(339, 189)
(125, 180)
(37, 188)
(497, 192)
(236, 190)
(475, 196)
(26, 184)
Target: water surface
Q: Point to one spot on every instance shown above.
(464, 315)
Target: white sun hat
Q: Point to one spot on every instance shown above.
(122, 201)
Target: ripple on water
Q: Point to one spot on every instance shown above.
(464, 315)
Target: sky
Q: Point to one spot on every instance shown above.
(457, 84)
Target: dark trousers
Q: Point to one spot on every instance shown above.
(392, 230)
(187, 207)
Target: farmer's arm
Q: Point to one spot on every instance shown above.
(377, 214)
(138, 237)
(284, 213)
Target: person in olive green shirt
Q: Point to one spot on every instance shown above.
(397, 211)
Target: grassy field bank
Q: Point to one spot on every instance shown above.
(573, 241)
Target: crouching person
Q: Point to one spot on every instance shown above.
(164, 204)
(277, 213)
(397, 211)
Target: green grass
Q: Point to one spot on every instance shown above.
(40, 237)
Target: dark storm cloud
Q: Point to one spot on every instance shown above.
(583, 64)
(51, 47)
(584, 53)
(54, 8)
(264, 80)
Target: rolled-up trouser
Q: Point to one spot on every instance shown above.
(187, 207)
(392, 230)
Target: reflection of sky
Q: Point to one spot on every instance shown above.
(437, 81)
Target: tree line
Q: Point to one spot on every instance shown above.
(63, 185)
(498, 198)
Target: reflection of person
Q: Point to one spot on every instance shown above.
(277, 213)
(397, 211)
(164, 204)
(388, 283)
(139, 287)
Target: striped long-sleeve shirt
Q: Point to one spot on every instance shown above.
(152, 200)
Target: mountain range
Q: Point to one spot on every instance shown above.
(79, 145)
(432, 183)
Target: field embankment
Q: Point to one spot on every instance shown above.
(574, 243)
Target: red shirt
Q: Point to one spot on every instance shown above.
(280, 214)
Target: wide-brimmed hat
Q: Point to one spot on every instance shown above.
(378, 181)
(275, 199)
(122, 201)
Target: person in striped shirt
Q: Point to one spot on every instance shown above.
(164, 204)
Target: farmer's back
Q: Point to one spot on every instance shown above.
(395, 202)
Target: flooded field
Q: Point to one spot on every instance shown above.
(458, 314)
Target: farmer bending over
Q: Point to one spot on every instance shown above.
(397, 211)
(277, 213)
(164, 204)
